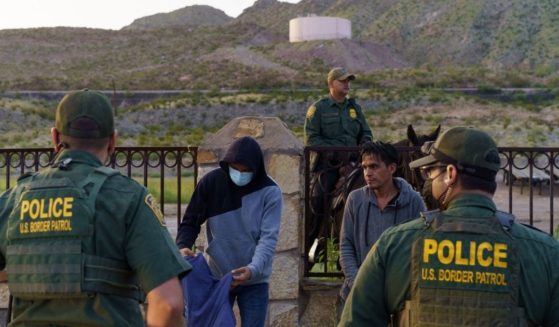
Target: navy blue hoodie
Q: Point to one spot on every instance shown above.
(243, 221)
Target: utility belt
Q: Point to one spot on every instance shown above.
(437, 313)
(59, 269)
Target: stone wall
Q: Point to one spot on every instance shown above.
(318, 303)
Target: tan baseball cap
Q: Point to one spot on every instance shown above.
(339, 74)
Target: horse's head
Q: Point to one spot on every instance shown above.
(418, 140)
(412, 175)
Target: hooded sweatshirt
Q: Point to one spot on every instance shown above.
(243, 222)
(364, 222)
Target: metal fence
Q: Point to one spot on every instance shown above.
(531, 168)
(527, 181)
(153, 166)
(527, 184)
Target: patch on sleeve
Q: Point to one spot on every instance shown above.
(310, 112)
(154, 206)
(352, 113)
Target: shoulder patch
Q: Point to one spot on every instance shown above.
(352, 113)
(311, 111)
(506, 219)
(154, 206)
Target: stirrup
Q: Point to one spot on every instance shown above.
(312, 252)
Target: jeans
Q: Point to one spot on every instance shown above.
(253, 303)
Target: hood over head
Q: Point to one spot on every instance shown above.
(246, 151)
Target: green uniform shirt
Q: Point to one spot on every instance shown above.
(331, 124)
(382, 284)
(128, 228)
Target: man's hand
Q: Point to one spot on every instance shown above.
(186, 252)
(240, 276)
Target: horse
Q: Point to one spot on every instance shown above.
(413, 176)
(351, 178)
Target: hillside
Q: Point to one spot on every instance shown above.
(495, 33)
(239, 55)
(187, 119)
(166, 58)
(196, 15)
(199, 47)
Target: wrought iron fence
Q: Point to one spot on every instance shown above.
(527, 181)
(531, 168)
(142, 163)
(527, 184)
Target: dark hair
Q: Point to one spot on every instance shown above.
(384, 151)
(470, 183)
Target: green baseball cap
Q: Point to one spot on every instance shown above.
(339, 74)
(85, 114)
(471, 150)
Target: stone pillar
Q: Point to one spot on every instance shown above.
(283, 156)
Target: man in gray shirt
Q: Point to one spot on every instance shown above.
(385, 201)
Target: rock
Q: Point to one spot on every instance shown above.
(283, 315)
(286, 170)
(284, 282)
(291, 224)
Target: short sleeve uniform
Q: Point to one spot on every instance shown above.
(128, 228)
(328, 123)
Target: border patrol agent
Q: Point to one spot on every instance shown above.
(466, 264)
(333, 121)
(80, 241)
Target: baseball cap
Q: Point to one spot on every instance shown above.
(339, 74)
(471, 150)
(85, 114)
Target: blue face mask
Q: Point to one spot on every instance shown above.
(240, 178)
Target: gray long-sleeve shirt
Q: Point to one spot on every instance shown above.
(364, 222)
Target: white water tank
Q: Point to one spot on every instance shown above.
(318, 28)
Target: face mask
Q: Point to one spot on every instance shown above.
(240, 178)
(427, 194)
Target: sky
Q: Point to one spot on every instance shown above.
(107, 14)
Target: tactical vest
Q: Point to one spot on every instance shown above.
(465, 272)
(51, 244)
